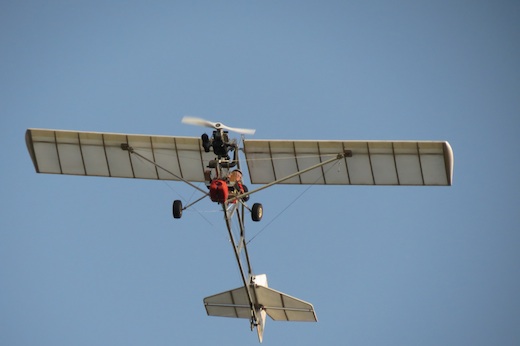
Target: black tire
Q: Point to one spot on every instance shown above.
(257, 212)
(177, 209)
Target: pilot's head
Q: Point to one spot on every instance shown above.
(236, 175)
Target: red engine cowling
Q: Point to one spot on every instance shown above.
(218, 191)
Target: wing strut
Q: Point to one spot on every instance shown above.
(127, 147)
(346, 153)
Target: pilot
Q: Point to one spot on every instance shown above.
(235, 182)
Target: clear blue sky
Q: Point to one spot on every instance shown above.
(92, 261)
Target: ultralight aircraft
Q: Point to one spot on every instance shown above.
(214, 161)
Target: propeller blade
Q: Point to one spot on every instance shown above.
(206, 123)
(197, 122)
(238, 130)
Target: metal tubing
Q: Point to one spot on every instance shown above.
(125, 146)
(237, 256)
(192, 203)
(338, 157)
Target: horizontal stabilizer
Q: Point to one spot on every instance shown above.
(279, 306)
(282, 307)
(232, 303)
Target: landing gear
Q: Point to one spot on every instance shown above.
(257, 212)
(177, 209)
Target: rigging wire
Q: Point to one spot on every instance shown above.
(270, 222)
(149, 167)
(290, 204)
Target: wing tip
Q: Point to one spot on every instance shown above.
(30, 148)
(449, 160)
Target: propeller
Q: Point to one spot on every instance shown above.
(216, 126)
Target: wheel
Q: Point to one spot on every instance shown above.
(257, 212)
(177, 209)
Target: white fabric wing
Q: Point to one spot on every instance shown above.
(371, 162)
(101, 154)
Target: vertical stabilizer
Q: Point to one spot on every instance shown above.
(260, 280)
(260, 312)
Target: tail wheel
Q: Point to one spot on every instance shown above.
(177, 209)
(257, 212)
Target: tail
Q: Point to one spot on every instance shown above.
(266, 302)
